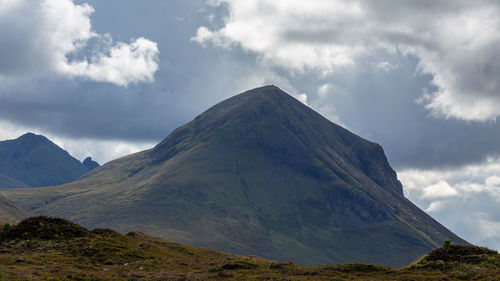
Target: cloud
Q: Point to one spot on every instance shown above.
(101, 151)
(455, 42)
(125, 63)
(385, 66)
(493, 181)
(53, 36)
(438, 190)
(325, 89)
(285, 34)
(464, 199)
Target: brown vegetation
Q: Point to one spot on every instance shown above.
(43, 248)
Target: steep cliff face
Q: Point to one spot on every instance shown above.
(259, 173)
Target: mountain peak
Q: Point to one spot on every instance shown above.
(269, 92)
(36, 161)
(276, 123)
(270, 87)
(250, 99)
(29, 142)
(29, 134)
(266, 90)
(90, 164)
(31, 137)
(259, 173)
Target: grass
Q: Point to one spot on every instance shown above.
(43, 248)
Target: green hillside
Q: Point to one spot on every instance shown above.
(42, 248)
(257, 174)
(10, 212)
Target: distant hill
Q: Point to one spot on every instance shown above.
(90, 164)
(42, 248)
(34, 161)
(259, 173)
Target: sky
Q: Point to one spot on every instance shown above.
(108, 78)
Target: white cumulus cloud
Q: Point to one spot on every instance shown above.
(438, 190)
(278, 31)
(125, 63)
(43, 37)
(455, 41)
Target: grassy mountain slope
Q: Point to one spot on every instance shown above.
(259, 173)
(34, 160)
(44, 248)
(10, 212)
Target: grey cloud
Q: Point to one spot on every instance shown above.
(454, 42)
(471, 210)
(382, 107)
(190, 80)
(18, 53)
(376, 104)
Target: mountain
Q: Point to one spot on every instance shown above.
(8, 182)
(33, 160)
(43, 248)
(259, 173)
(90, 164)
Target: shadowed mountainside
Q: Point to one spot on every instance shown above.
(259, 173)
(33, 160)
(90, 164)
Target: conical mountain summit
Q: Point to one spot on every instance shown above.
(259, 173)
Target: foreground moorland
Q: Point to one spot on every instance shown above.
(43, 248)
